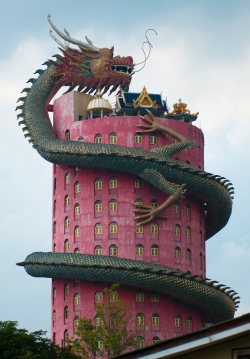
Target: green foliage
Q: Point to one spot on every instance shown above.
(112, 335)
(18, 343)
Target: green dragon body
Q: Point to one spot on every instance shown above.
(155, 166)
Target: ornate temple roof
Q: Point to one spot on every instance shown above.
(99, 103)
(180, 112)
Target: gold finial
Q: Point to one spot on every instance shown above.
(181, 107)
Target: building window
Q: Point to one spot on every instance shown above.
(113, 205)
(155, 319)
(77, 299)
(138, 137)
(140, 341)
(140, 319)
(139, 250)
(188, 254)
(67, 178)
(77, 187)
(54, 315)
(77, 209)
(66, 245)
(54, 293)
(177, 230)
(76, 322)
(113, 250)
(154, 228)
(200, 261)
(98, 297)
(138, 228)
(154, 203)
(200, 239)
(55, 207)
(98, 321)
(187, 210)
(113, 228)
(98, 206)
(100, 343)
(98, 184)
(98, 138)
(189, 323)
(54, 248)
(66, 335)
(188, 232)
(113, 182)
(177, 208)
(77, 169)
(98, 250)
(54, 337)
(77, 232)
(200, 217)
(177, 321)
(154, 250)
(155, 298)
(98, 228)
(66, 201)
(66, 289)
(155, 340)
(138, 201)
(55, 183)
(113, 297)
(177, 253)
(138, 183)
(113, 138)
(66, 222)
(153, 139)
(54, 227)
(67, 135)
(139, 297)
(66, 313)
(77, 250)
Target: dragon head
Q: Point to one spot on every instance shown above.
(90, 68)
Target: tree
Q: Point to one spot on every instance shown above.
(110, 335)
(18, 343)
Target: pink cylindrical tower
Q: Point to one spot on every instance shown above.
(93, 214)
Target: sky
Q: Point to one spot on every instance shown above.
(201, 54)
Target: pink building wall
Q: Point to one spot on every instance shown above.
(126, 239)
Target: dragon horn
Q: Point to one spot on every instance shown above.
(70, 39)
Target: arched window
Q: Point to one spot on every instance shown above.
(188, 232)
(77, 187)
(177, 230)
(54, 227)
(138, 183)
(113, 205)
(177, 252)
(155, 340)
(98, 250)
(139, 297)
(138, 228)
(66, 222)
(140, 319)
(98, 321)
(100, 343)
(113, 138)
(154, 250)
(66, 245)
(200, 239)
(153, 139)
(76, 322)
(66, 335)
(113, 296)
(55, 183)
(139, 250)
(140, 341)
(77, 232)
(154, 203)
(66, 289)
(98, 228)
(138, 137)
(112, 182)
(189, 323)
(54, 248)
(77, 209)
(98, 206)
(54, 315)
(177, 208)
(67, 178)
(155, 297)
(55, 207)
(155, 319)
(113, 250)
(66, 201)
(77, 299)
(54, 293)
(77, 250)
(154, 228)
(98, 297)
(177, 321)
(200, 260)
(187, 210)
(66, 313)
(98, 138)
(188, 254)
(113, 228)
(54, 337)
(67, 135)
(98, 184)
(138, 201)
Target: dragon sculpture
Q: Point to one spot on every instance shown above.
(92, 69)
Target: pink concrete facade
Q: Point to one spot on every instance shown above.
(75, 188)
